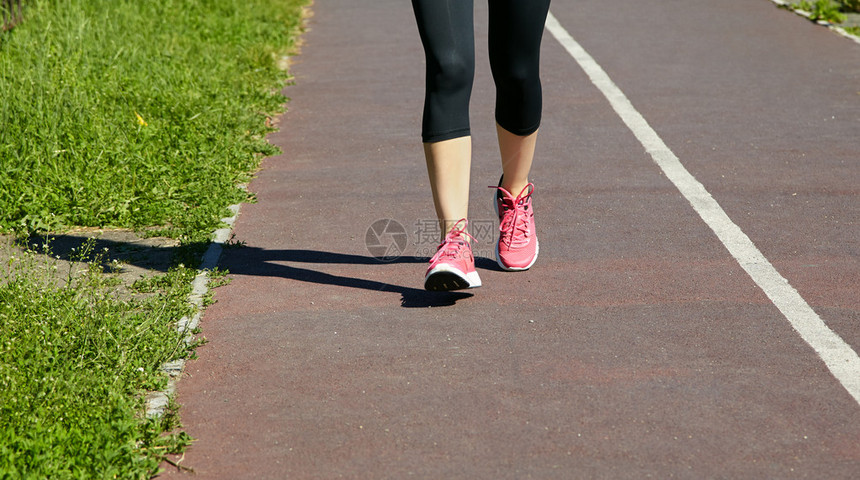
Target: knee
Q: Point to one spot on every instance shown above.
(452, 73)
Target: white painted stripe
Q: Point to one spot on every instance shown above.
(842, 361)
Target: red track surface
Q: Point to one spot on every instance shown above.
(635, 347)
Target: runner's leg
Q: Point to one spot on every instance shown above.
(516, 29)
(447, 33)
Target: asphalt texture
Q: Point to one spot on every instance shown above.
(635, 347)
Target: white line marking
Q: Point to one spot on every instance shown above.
(842, 361)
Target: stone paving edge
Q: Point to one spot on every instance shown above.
(157, 402)
(803, 13)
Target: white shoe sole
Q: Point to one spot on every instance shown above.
(445, 278)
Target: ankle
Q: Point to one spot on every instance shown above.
(514, 187)
(455, 230)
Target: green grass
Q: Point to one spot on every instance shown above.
(75, 363)
(137, 113)
(827, 10)
(831, 11)
(851, 5)
(145, 114)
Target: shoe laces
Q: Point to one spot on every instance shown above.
(515, 225)
(454, 242)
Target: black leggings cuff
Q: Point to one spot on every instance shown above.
(439, 137)
(523, 132)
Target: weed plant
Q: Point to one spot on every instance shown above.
(75, 363)
(851, 5)
(827, 10)
(137, 113)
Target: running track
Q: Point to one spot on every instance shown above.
(694, 313)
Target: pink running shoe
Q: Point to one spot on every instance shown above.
(518, 244)
(453, 266)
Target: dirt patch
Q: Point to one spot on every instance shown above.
(125, 256)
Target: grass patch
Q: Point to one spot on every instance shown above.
(144, 114)
(827, 10)
(75, 363)
(137, 113)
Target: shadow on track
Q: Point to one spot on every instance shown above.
(262, 262)
(245, 260)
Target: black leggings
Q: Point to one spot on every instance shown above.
(447, 33)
